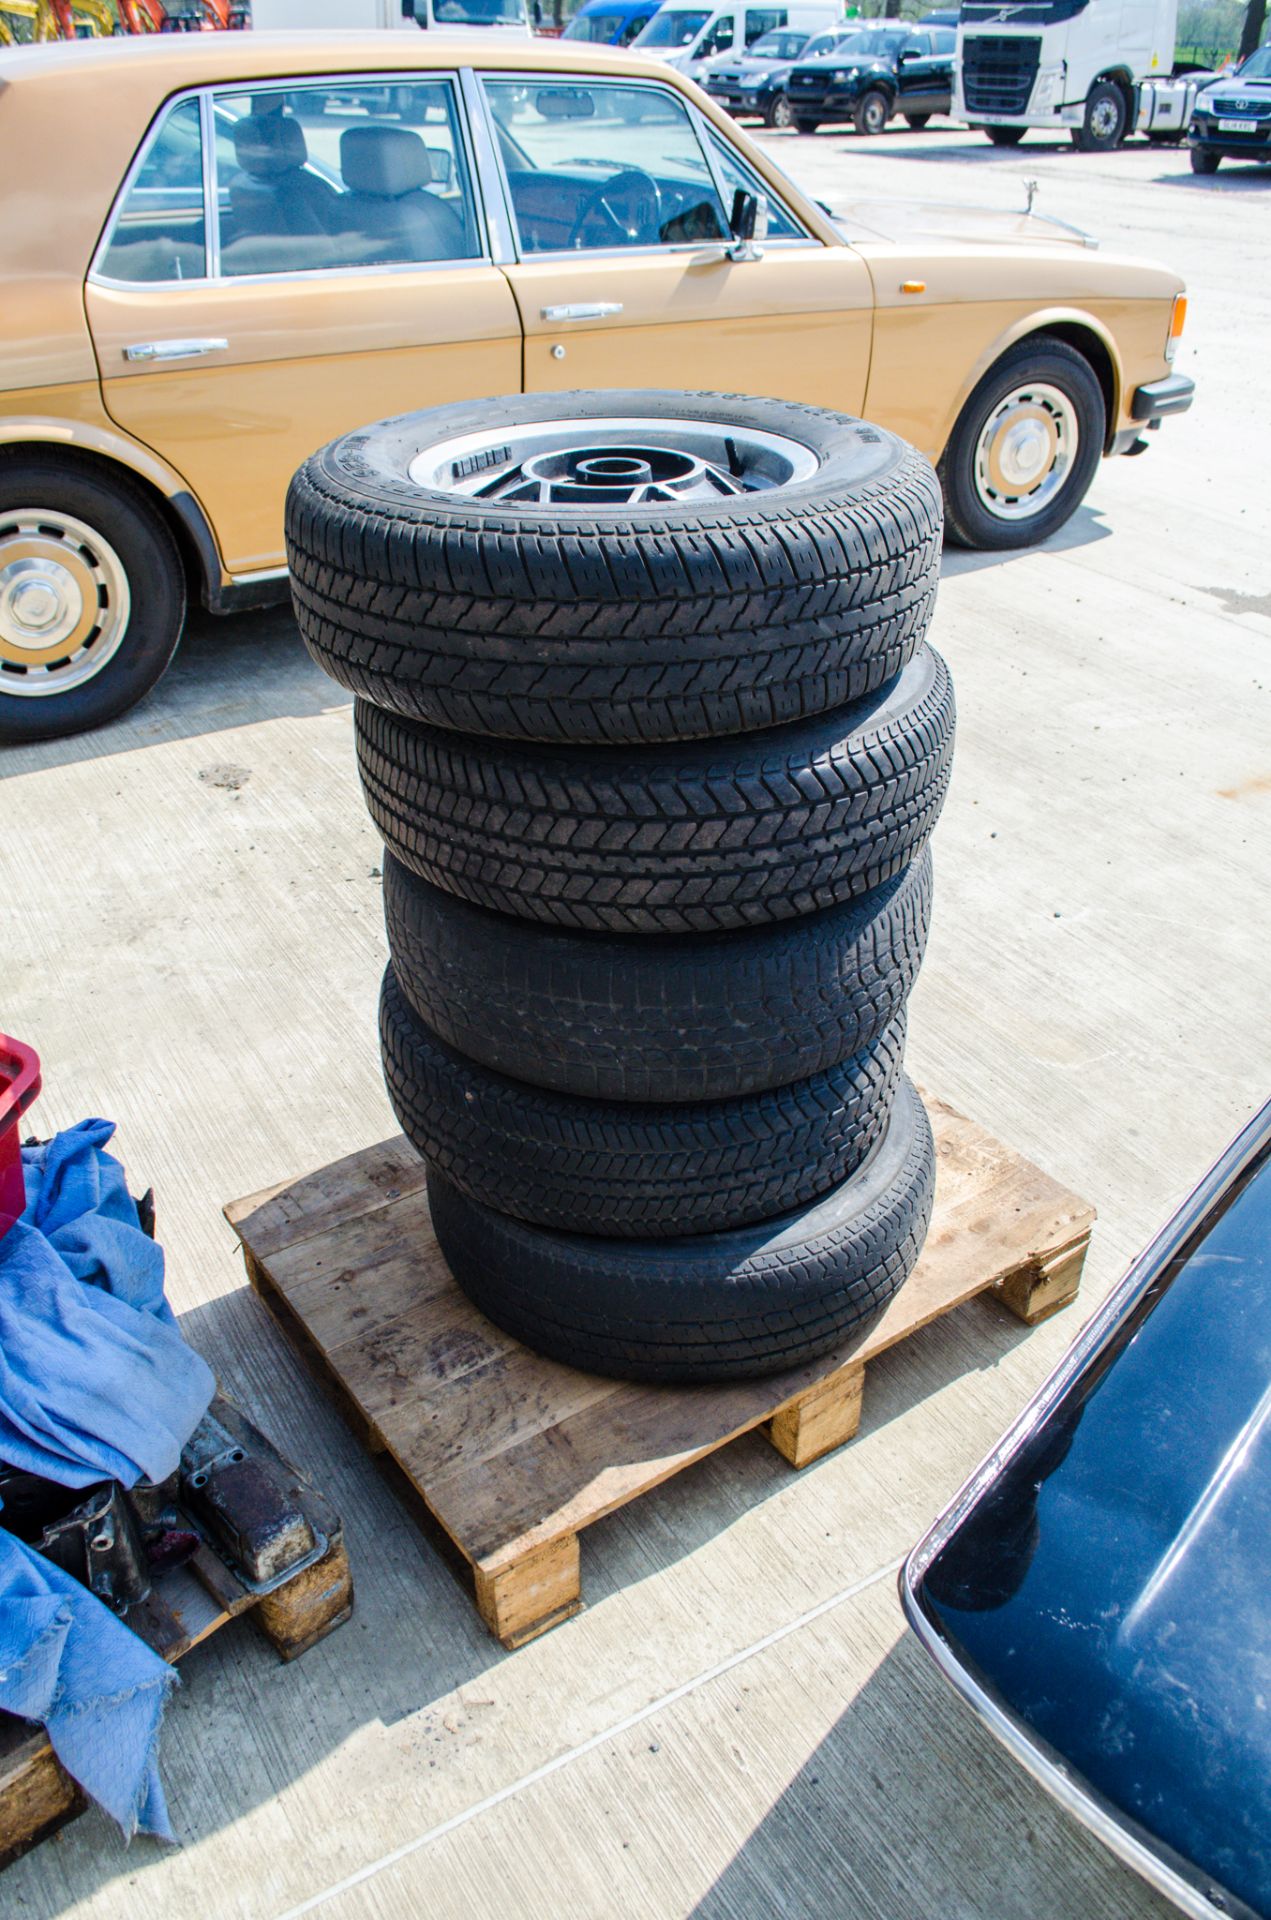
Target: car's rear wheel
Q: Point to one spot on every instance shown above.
(779, 113)
(1106, 117)
(1025, 447)
(92, 599)
(1006, 136)
(917, 121)
(1203, 161)
(871, 112)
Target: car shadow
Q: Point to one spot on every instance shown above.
(231, 671)
(1231, 177)
(1084, 529)
(909, 1780)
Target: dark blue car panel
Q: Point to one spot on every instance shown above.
(1108, 1587)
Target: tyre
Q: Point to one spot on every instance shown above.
(632, 1171)
(917, 121)
(872, 111)
(675, 839)
(1025, 448)
(705, 612)
(1203, 161)
(727, 1306)
(92, 598)
(779, 113)
(1106, 117)
(687, 1018)
(1006, 136)
(806, 123)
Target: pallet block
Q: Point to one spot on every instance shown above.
(512, 1454)
(186, 1605)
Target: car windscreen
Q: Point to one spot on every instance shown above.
(876, 45)
(673, 27)
(1025, 13)
(1257, 66)
(1109, 1584)
(479, 13)
(781, 45)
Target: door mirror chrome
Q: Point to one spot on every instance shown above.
(749, 223)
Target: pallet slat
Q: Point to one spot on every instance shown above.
(513, 1454)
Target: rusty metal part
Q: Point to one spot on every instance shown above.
(91, 1533)
(247, 1500)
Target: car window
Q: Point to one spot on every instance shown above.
(736, 173)
(598, 27)
(601, 165)
(783, 45)
(762, 20)
(917, 46)
(158, 232)
(631, 29)
(322, 178)
(945, 39)
(718, 40)
(674, 27)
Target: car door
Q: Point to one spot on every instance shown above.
(618, 193)
(288, 262)
(922, 77)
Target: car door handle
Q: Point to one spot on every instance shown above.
(174, 349)
(585, 310)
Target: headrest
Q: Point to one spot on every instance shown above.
(385, 160)
(266, 144)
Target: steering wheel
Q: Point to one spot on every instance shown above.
(629, 203)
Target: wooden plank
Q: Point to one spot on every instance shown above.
(514, 1454)
(36, 1795)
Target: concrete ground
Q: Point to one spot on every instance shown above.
(738, 1725)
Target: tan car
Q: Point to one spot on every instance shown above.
(226, 249)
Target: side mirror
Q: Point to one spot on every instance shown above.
(440, 166)
(749, 223)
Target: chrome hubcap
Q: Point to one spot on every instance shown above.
(1103, 121)
(612, 462)
(1026, 450)
(64, 602)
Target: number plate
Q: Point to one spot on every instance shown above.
(1237, 126)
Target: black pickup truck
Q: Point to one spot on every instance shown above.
(878, 72)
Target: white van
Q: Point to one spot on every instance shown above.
(689, 36)
(500, 17)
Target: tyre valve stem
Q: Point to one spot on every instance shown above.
(735, 466)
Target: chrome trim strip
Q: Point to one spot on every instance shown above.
(1108, 1823)
(211, 211)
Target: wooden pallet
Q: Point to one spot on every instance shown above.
(513, 1454)
(186, 1605)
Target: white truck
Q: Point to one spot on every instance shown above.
(456, 16)
(1060, 63)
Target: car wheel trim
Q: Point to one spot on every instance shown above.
(875, 114)
(612, 462)
(64, 602)
(782, 114)
(1025, 452)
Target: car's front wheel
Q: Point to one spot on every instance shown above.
(1025, 448)
(917, 121)
(1203, 161)
(806, 123)
(778, 112)
(1006, 136)
(92, 599)
(871, 111)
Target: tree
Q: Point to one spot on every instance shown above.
(1255, 21)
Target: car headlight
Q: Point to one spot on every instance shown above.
(1046, 89)
(841, 74)
(751, 80)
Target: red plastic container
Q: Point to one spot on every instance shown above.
(19, 1084)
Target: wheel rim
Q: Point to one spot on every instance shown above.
(781, 115)
(1026, 451)
(64, 602)
(874, 115)
(1105, 119)
(612, 462)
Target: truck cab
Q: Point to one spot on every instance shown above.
(1074, 64)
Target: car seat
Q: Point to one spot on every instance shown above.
(273, 194)
(386, 170)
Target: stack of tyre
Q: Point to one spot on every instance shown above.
(647, 722)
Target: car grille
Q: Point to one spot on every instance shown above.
(1240, 106)
(998, 72)
(809, 86)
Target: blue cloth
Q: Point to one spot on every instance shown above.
(99, 1690)
(96, 1382)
